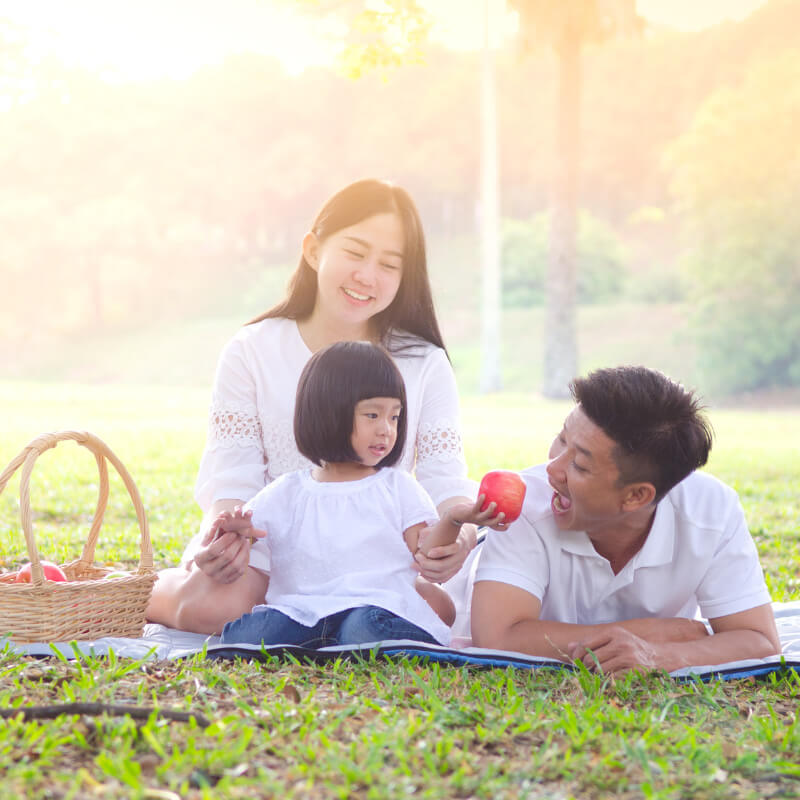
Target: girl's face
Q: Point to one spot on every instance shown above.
(375, 428)
(359, 269)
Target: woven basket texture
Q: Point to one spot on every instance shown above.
(88, 605)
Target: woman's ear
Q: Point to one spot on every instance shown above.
(311, 250)
(638, 495)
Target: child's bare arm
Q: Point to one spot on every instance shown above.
(445, 530)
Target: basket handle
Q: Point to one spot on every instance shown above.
(27, 457)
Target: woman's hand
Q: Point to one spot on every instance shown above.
(442, 563)
(225, 560)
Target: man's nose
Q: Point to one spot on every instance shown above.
(555, 467)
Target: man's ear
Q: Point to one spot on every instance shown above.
(311, 250)
(638, 495)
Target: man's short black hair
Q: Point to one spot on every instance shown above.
(332, 383)
(660, 434)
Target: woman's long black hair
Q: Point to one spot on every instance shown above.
(411, 311)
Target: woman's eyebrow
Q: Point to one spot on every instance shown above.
(365, 243)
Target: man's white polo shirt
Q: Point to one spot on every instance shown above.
(699, 553)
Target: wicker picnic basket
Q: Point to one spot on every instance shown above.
(87, 606)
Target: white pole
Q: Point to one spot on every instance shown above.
(490, 380)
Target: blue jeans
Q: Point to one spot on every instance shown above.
(352, 626)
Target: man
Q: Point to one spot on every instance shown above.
(621, 541)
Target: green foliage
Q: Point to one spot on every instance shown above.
(662, 282)
(165, 224)
(600, 256)
(736, 173)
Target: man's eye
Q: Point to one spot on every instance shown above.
(578, 468)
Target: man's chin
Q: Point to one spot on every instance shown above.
(564, 522)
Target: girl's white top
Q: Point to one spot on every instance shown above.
(251, 420)
(335, 546)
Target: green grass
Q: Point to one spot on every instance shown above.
(373, 730)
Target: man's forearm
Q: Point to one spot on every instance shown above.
(536, 637)
(558, 640)
(553, 639)
(719, 648)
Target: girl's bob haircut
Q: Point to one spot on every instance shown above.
(334, 380)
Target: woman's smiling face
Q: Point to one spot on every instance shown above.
(359, 270)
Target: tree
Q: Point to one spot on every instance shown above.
(567, 26)
(736, 173)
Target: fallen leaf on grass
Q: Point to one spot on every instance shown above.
(730, 750)
(290, 693)
(148, 763)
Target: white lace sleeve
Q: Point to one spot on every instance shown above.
(233, 463)
(441, 467)
(230, 425)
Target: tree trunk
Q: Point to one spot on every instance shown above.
(490, 378)
(560, 345)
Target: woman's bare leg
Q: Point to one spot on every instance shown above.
(190, 600)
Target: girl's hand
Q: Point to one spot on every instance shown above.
(473, 514)
(226, 552)
(236, 521)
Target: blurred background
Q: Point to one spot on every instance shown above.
(161, 161)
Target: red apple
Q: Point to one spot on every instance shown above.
(505, 488)
(52, 572)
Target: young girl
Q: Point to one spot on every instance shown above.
(362, 276)
(340, 536)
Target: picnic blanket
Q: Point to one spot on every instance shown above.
(160, 642)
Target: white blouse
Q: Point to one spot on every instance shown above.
(251, 420)
(335, 546)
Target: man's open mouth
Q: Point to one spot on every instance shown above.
(560, 503)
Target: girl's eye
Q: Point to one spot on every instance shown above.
(354, 253)
(390, 266)
(579, 469)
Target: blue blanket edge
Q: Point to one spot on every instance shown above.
(460, 658)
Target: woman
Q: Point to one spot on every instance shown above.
(362, 276)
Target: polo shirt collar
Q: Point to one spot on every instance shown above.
(657, 549)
